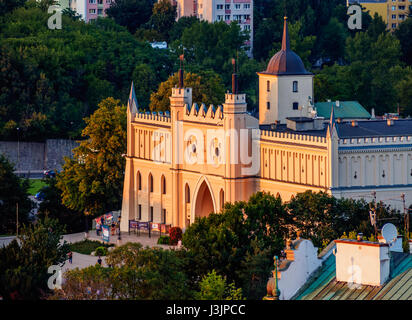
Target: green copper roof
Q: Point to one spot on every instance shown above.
(323, 285)
(346, 110)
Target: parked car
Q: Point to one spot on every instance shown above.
(39, 196)
(49, 174)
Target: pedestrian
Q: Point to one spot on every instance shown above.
(99, 261)
(70, 254)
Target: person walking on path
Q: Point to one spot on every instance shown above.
(99, 261)
(70, 255)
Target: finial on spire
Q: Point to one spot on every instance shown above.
(181, 57)
(234, 78)
(285, 39)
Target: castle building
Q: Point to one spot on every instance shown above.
(189, 162)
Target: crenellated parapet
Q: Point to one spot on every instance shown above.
(195, 113)
(300, 138)
(367, 144)
(152, 119)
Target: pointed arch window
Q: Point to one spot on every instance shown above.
(139, 180)
(163, 185)
(187, 193)
(150, 182)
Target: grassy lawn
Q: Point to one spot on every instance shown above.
(87, 246)
(35, 186)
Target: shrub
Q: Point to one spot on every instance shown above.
(163, 240)
(87, 246)
(175, 235)
(101, 251)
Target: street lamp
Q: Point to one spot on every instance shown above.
(18, 149)
(119, 238)
(276, 292)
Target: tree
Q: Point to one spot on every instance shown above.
(207, 88)
(214, 287)
(211, 46)
(13, 191)
(332, 40)
(131, 13)
(403, 88)
(92, 182)
(224, 241)
(404, 34)
(163, 18)
(180, 25)
(52, 80)
(136, 273)
(7, 6)
(298, 43)
(53, 208)
(24, 264)
(145, 83)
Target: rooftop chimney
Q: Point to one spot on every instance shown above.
(362, 262)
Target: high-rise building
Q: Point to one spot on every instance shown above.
(90, 9)
(392, 12)
(220, 10)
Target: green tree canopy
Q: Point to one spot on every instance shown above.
(13, 191)
(52, 79)
(207, 88)
(131, 13)
(163, 18)
(24, 264)
(404, 34)
(92, 182)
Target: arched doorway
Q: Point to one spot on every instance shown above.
(204, 201)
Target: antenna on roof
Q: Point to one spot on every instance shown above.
(181, 57)
(389, 233)
(234, 78)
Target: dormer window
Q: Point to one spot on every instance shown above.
(268, 86)
(295, 86)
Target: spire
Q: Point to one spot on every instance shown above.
(285, 39)
(332, 122)
(132, 105)
(332, 116)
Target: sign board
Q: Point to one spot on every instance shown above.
(143, 226)
(155, 226)
(133, 224)
(105, 233)
(165, 228)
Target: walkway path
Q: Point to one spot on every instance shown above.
(83, 260)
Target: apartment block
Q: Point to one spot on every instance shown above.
(220, 10)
